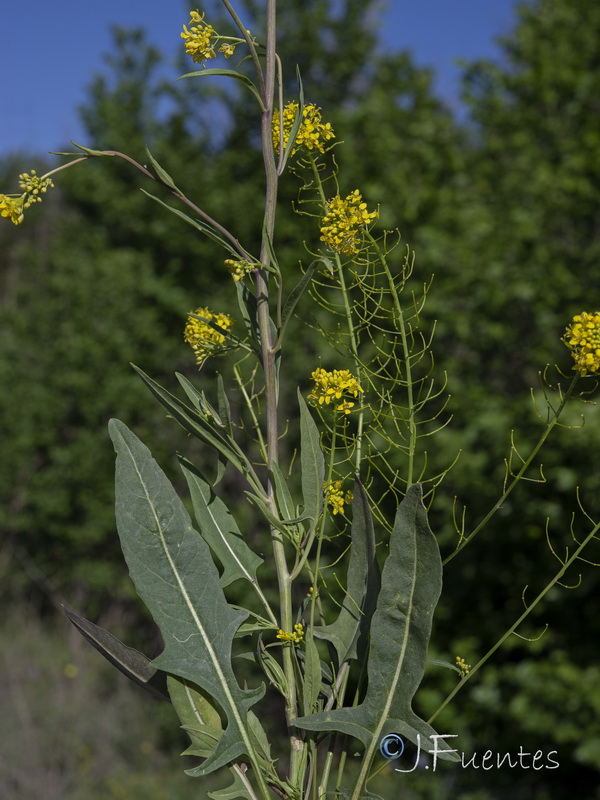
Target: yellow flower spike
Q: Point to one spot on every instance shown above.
(312, 134)
(342, 223)
(336, 497)
(582, 338)
(240, 268)
(203, 339)
(200, 39)
(296, 636)
(336, 385)
(463, 666)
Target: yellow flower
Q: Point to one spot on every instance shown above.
(463, 666)
(333, 387)
(240, 268)
(202, 337)
(312, 134)
(582, 337)
(200, 39)
(296, 636)
(12, 208)
(342, 223)
(227, 49)
(336, 497)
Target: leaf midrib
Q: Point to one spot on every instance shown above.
(192, 610)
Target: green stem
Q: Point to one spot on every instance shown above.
(526, 464)
(524, 615)
(271, 394)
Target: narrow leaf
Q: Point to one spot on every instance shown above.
(197, 223)
(92, 152)
(228, 73)
(175, 576)
(135, 665)
(194, 423)
(219, 529)
(312, 463)
(162, 173)
(272, 668)
(349, 634)
(292, 301)
(224, 407)
(311, 686)
(410, 587)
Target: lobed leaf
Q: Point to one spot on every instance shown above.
(401, 626)
(174, 574)
(240, 789)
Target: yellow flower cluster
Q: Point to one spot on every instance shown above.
(201, 40)
(343, 221)
(296, 636)
(203, 338)
(332, 386)
(582, 337)
(33, 186)
(13, 206)
(463, 666)
(239, 269)
(312, 134)
(336, 497)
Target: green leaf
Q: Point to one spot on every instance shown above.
(312, 463)
(175, 576)
(219, 529)
(445, 664)
(240, 788)
(349, 634)
(311, 686)
(344, 794)
(224, 407)
(197, 715)
(296, 125)
(247, 304)
(135, 665)
(91, 152)
(273, 263)
(292, 301)
(272, 668)
(197, 223)
(228, 73)
(196, 424)
(285, 503)
(410, 587)
(162, 173)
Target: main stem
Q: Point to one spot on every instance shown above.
(269, 356)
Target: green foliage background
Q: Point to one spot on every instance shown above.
(503, 210)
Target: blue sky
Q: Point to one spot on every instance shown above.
(51, 50)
